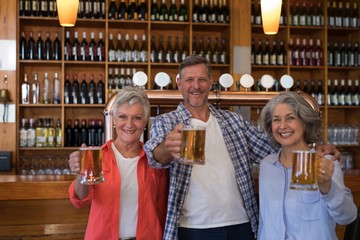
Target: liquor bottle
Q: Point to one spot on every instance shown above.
(69, 134)
(335, 94)
(92, 133)
(183, 14)
(67, 90)
(40, 133)
(111, 49)
(45, 133)
(100, 48)
(58, 133)
(33, 8)
(92, 91)
(224, 56)
(57, 47)
(120, 52)
(266, 54)
(92, 48)
(51, 138)
(273, 54)
(84, 133)
(153, 50)
(100, 91)
(208, 50)
(348, 93)
(205, 11)
(67, 47)
(144, 49)
(281, 56)
(196, 11)
(84, 48)
(84, 90)
(76, 134)
(354, 19)
(122, 13)
(25, 91)
(112, 10)
(132, 11)
(184, 49)
(177, 51)
(161, 50)
(173, 12)
(217, 52)
(341, 93)
(169, 53)
(259, 54)
(46, 89)
(39, 48)
(23, 47)
(35, 90)
(163, 12)
(23, 132)
(225, 11)
(99, 133)
(75, 90)
(31, 133)
(127, 49)
(76, 47)
(142, 10)
(320, 94)
(154, 14)
(135, 51)
(56, 89)
(355, 94)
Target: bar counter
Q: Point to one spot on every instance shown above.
(38, 207)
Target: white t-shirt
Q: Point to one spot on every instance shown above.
(128, 194)
(213, 199)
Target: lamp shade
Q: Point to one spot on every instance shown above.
(270, 14)
(67, 12)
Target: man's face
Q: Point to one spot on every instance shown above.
(195, 85)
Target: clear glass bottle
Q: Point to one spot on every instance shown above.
(25, 91)
(51, 138)
(56, 89)
(31, 133)
(46, 89)
(23, 132)
(58, 133)
(35, 90)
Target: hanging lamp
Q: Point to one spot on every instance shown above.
(67, 12)
(270, 14)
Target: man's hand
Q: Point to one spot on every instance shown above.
(328, 149)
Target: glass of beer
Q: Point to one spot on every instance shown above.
(90, 165)
(192, 149)
(304, 170)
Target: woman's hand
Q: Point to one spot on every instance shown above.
(325, 172)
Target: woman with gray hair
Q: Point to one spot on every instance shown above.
(292, 124)
(131, 202)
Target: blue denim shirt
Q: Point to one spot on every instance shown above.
(245, 144)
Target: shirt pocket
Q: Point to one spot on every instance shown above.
(308, 205)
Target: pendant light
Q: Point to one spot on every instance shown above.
(67, 12)
(270, 14)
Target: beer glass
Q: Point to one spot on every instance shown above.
(304, 170)
(90, 165)
(192, 149)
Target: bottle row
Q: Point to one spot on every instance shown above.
(343, 134)
(344, 55)
(256, 13)
(44, 165)
(90, 132)
(346, 16)
(266, 55)
(118, 80)
(215, 50)
(340, 95)
(310, 13)
(304, 54)
(217, 11)
(40, 92)
(39, 49)
(41, 8)
(40, 133)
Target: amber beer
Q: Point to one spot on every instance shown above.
(91, 165)
(304, 170)
(193, 145)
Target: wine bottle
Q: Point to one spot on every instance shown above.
(337, 55)
(208, 50)
(101, 9)
(329, 95)
(144, 49)
(153, 50)
(128, 79)
(177, 51)
(335, 94)
(341, 93)
(161, 50)
(122, 78)
(266, 54)
(273, 54)
(100, 48)
(132, 11)
(39, 48)
(51, 133)
(93, 9)
(224, 57)
(225, 11)
(163, 12)
(111, 84)
(201, 48)
(354, 19)
(281, 56)
(356, 94)
(67, 90)
(40, 133)
(69, 134)
(320, 94)
(35, 90)
(84, 133)
(215, 11)
(58, 133)
(344, 55)
(259, 54)
(135, 51)
(100, 91)
(348, 95)
(302, 53)
(169, 53)
(75, 90)
(31, 133)
(42, 8)
(258, 20)
(112, 10)
(23, 47)
(154, 14)
(48, 47)
(319, 15)
(120, 52)
(283, 15)
(313, 92)
(252, 12)
(196, 11)
(205, 11)
(99, 133)
(216, 52)
(184, 49)
(92, 48)
(67, 47)
(127, 49)
(92, 133)
(310, 53)
(122, 11)
(23, 133)
(116, 79)
(84, 48)
(305, 86)
(183, 15)
(302, 15)
(22, 9)
(46, 89)
(33, 8)
(92, 90)
(296, 53)
(76, 47)
(142, 10)
(76, 133)
(173, 12)
(111, 49)
(31, 47)
(356, 54)
(84, 98)
(57, 47)
(56, 89)
(351, 55)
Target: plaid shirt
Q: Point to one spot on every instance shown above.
(245, 144)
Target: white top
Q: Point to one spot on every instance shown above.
(129, 192)
(213, 199)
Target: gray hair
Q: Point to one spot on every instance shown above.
(307, 115)
(130, 95)
(194, 60)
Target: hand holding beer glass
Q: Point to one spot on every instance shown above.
(192, 149)
(90, 166)
(304, 170)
